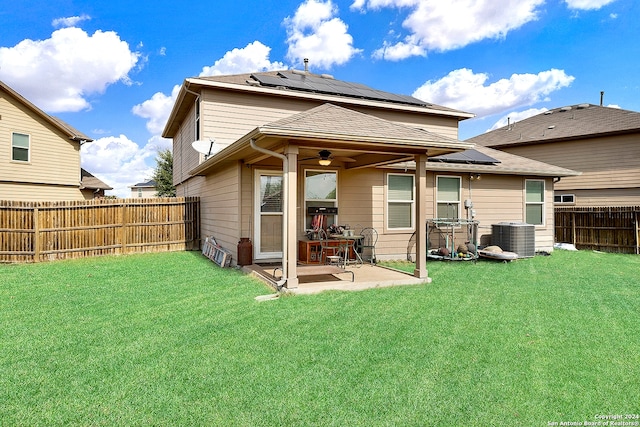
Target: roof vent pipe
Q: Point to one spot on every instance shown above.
(601, 97)
(306, 65)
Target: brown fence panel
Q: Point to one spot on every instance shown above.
(45, 231)
(608, 229)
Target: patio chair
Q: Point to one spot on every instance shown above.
(329, 251)
(368, 244)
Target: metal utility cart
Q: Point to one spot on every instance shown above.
(442, 232)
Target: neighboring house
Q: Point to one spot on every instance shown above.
(92, 187)
(271, 131)
(39, 155)
(147, 189)
(601, 142)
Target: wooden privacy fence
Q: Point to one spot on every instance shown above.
(608, 229)
(46, 231)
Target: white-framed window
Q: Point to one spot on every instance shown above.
(564, 198)
(20, 147)
(449, 190)
(400, 201)
(534, 201)
(139, 192)
(320, 190)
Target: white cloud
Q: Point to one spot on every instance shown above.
(516, 116)
(59, 73)
(156, 110)
(398, 51)
(463, 89)
(315, 33)
(587, 4)
(436, 25)
(70, 21)
(120, 162)
(253, 57)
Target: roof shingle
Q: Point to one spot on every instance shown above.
(329, 119)
(571, 122)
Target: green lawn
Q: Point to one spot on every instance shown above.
(172, 340)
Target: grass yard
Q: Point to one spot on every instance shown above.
(172, 340)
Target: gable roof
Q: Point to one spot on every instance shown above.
(90, 182)
(68, 130)
(332, 126)
(329, 121)
(300, 84)
(565, 123)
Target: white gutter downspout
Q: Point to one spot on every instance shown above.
(285, 203)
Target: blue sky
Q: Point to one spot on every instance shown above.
(111, 69)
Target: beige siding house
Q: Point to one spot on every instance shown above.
(39, 154)
(288, 142)
(147, 189)
(601, 142)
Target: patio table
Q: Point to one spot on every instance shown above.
(348, 244)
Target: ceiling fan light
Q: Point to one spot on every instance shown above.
(325, 159)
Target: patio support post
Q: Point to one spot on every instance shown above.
(290, 247)
(421, 216)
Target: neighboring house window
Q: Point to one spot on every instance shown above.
(139, 192)
(448, 198)
(534, 202)
(400, 201)
(564, 198)
(320, 190)
(20, 147)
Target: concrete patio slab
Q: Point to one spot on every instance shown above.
(365, 277)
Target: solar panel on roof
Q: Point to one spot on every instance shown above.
(267, 80)
(470, 156)
(294, 84)
(326, 85)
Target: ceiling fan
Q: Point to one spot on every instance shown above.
(325, 158)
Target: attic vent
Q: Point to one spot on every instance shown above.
(253, 83)
(551, 127)
(548, 112)
(582, 106)
(565, 109)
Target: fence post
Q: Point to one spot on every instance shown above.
(637, 233)
(124, 228)
(573, 227)
(36, 235)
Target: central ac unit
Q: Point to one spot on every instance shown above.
(518, 237)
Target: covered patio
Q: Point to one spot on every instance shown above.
(289, 145)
